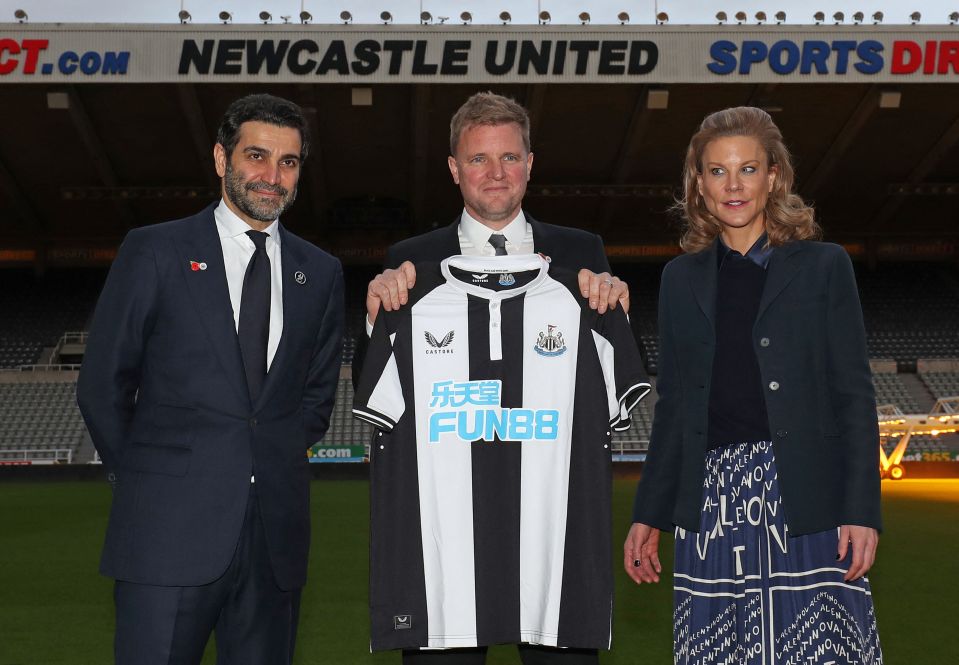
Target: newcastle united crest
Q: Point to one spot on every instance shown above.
(550, 343)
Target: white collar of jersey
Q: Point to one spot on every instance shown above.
(478, 233)
(494, 265)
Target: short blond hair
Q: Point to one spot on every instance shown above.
(788, 217)
(488, 108)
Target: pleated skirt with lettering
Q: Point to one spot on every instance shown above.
(747, 593)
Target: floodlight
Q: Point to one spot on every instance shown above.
(505, 17)
(266, 17)
(780, 17)
(305, 17)
(662, 17)
(226, 17)
(741, 16)
(466, 18)
(584, 17)
(915, 17)
(760, 17)
(623, 18)
(721, 17)
(877, 17)
(544, 17)
(858, 17)
(346, 17)
(819, 17)
(184, 16)
(426, 18)
(386, 17)
(838, 17)
(20, 15)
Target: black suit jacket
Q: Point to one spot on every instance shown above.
(810, 342)
(572, 249)
(163, 392)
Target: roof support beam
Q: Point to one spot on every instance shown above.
(21, 204)
(420, 139)
(535, 102)
(315, 170)
(202, 144)
(101, 162)
(926, 166)
(629, 150)
(854, 124)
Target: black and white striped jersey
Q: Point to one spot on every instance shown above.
(495, 391)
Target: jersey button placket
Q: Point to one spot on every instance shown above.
(495, 331)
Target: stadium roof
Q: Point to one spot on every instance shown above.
(84, 157)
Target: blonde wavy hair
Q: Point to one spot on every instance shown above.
(787, 216)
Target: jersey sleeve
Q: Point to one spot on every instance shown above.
(626, 379)
(379, 396)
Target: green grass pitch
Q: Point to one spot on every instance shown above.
(55, 609)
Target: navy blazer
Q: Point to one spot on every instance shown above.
(164, 395)
(810, 342)
(573, 249)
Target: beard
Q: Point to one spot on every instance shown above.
(244, 196)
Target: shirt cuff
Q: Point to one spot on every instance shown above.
(369, 326)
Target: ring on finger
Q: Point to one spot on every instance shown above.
(608, 282)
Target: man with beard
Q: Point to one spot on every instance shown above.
(210, 369)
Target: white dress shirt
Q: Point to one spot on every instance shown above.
(237, 251)
(474, 241)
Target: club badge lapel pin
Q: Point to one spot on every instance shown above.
(197, 265)
(299, 277)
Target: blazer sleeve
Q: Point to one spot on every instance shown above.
(324, 371)
(122, 321)
(393, 259)
(852, 396)
(656, 493)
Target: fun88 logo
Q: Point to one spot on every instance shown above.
(471, 411)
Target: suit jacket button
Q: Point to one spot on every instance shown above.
(774, 385)
(782, 434)
(764, 341)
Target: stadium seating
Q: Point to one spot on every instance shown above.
(891, 390)
(36, 311)
(942, 384)
(39, 421)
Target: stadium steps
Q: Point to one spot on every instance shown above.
(918, 391)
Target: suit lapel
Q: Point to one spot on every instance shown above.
(703, 275)
(209, 290)
(296, 297)
(783, 266)
(450, 240)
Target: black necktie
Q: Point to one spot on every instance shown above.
(254, 328)
(498, 241)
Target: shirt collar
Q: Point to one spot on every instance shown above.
(759, 253)
(478, 233)
(229, 225)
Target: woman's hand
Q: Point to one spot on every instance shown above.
(641, 553)
(863, 540)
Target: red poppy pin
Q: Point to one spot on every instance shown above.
(197, 265)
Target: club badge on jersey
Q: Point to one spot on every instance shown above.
(550, 343)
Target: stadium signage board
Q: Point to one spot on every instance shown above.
(47, 53)
(325, 453)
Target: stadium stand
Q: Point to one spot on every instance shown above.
(911, 310)
(38, 310)
(941, 384)
(40, 421)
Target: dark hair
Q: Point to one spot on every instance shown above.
(262, 108)
(488, 108)
(788, 217)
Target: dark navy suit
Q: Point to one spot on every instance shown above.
(164, 394)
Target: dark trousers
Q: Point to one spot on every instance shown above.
(254, 620)
(530, 655)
